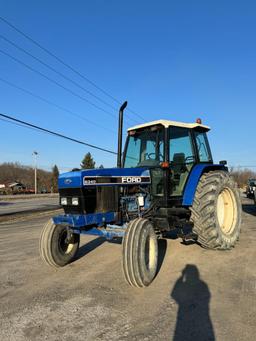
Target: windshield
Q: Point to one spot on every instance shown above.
(145, 149)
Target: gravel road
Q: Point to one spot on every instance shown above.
(24, 205)
(197, 294)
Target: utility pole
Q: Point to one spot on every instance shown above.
(35, 160)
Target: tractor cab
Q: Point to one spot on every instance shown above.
(167, 147)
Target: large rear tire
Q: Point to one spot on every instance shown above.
(54, 246)
(140, 253)
(216, 211)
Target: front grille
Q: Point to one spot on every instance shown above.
(107, 198)
(91, 200)
(87, 200)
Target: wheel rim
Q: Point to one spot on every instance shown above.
(227, 210)
(64, 246)
(150, 253)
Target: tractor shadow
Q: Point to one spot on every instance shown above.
(176, 234)
(192, 296)
(95, 243)
(162, 248)
(89, 247)
(6, 203)
(249, 208)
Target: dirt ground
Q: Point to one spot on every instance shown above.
(11, 206)
(197, 294)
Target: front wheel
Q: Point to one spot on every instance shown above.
(216, 211)
(140, 253)
(56, 246)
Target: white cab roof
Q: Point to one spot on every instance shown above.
(167, 124)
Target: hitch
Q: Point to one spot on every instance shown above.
(70, 236)
(187, 237)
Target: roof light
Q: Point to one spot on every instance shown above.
(199, 121)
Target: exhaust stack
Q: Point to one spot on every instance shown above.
(120, 135)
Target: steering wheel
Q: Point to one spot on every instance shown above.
(189, 158)
(152, 156)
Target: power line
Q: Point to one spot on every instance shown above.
(17, 124)
(66, 65)
(56, 83)
(56, 71)
(21, 123)
(33, 126)
(55, 105)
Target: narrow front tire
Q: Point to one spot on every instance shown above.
(140, 253)
(56, 247)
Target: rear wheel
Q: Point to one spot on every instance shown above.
(140, 253)
(216, 211)
(57, 247)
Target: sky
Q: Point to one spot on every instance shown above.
(176, 60)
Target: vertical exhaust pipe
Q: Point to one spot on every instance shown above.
(120, 134)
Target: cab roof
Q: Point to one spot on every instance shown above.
(167, 124)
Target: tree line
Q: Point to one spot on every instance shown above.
(15, 172)
(241, 176)
(11, 172)
(48, 180)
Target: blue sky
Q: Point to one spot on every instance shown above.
(175, 60)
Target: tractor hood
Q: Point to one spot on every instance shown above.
(104, 177)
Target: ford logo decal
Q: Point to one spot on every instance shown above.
(67, 181)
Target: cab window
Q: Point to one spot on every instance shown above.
(181, 158)
(145, 149)
(202, 147)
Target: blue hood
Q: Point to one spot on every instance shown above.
(79, 178)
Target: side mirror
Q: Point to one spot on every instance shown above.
(223, 162)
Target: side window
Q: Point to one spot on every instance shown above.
(151, 153)
(180, 146)
(202, 147)
(133, 152)
(181, 159)
(154, 150)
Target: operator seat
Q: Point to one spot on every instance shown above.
(149, 163)
(180, 172)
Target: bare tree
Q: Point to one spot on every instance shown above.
(242, 175)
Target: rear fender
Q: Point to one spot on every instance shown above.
(193, 179)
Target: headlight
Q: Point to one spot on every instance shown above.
(63, 201)
(75, 201)
(253, 188)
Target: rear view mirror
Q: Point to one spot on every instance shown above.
(223, 162)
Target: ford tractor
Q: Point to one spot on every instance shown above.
(165, 180)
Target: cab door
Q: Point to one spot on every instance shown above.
(181, 158)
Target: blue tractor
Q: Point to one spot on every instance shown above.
(165, 179)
